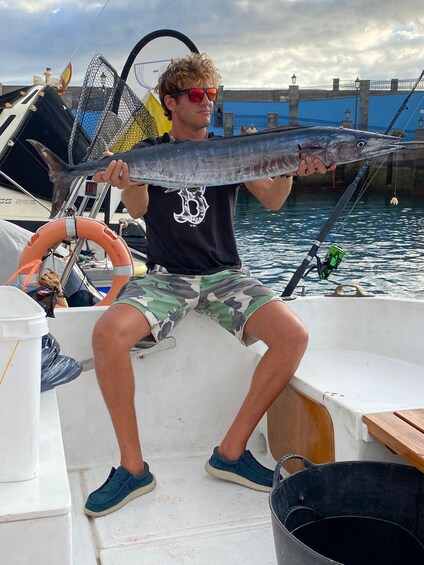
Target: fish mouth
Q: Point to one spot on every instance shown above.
(414, 145)
(385, 149)
(395, 146)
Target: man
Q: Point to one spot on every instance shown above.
(251, 129)
(189, 248)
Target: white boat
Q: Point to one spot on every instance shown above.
(364, 357)
(36, 111)
(25, 189)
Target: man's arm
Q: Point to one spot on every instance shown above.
(136, 199)
(134, 196)
(272, 193)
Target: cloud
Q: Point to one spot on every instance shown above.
(254, 43)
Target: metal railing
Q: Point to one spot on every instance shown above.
(392, 85)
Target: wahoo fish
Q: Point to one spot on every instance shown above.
(225, 160)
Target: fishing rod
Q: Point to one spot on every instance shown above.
(341, 204)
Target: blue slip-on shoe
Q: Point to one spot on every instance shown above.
(244, 471)
(120, 487)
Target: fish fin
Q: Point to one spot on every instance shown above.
(58, 175)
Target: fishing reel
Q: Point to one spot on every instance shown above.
(332, 260)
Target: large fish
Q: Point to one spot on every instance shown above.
(226, 160)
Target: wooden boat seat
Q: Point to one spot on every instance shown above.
(401, 431)
(298, 424)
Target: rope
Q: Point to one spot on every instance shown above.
(367, 183)
(413, 113)
(89, 29)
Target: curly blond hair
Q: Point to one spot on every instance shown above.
(196, 69)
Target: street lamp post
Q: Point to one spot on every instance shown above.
(419, 132)
(357, 86)
(347, 123)
(293, 100)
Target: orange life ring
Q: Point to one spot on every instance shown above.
(88, 228)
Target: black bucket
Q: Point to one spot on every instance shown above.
(350, 513)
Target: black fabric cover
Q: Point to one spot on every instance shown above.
(51, 124)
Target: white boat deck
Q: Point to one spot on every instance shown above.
(364, 356)
(190, 518)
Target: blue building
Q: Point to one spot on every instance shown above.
(363, 104)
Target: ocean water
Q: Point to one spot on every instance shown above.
(383, 244)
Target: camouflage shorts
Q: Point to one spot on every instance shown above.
(230, 297)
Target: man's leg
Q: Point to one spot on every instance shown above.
(120, 327)
(116, 332)
(286, 338)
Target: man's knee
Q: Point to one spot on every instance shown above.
(300, 332)
(292, 332)
(289, 335)
(103, 334)
(119, 329)
(302, 337)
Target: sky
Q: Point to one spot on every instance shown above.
(255, 44)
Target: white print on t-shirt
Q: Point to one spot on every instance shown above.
(194, 206)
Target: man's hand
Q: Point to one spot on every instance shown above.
(311, 165)
(116, 174)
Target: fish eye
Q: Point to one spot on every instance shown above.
(361, 143)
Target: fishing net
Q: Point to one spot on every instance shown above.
(109, 111)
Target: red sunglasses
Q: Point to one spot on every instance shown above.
(197, 94)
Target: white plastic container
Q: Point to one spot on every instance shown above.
(22, 324)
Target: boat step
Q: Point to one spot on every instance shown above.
(39, 510)
(402, 431)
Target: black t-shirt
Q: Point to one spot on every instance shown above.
(191, 232)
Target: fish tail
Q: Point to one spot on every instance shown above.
(59, 175)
